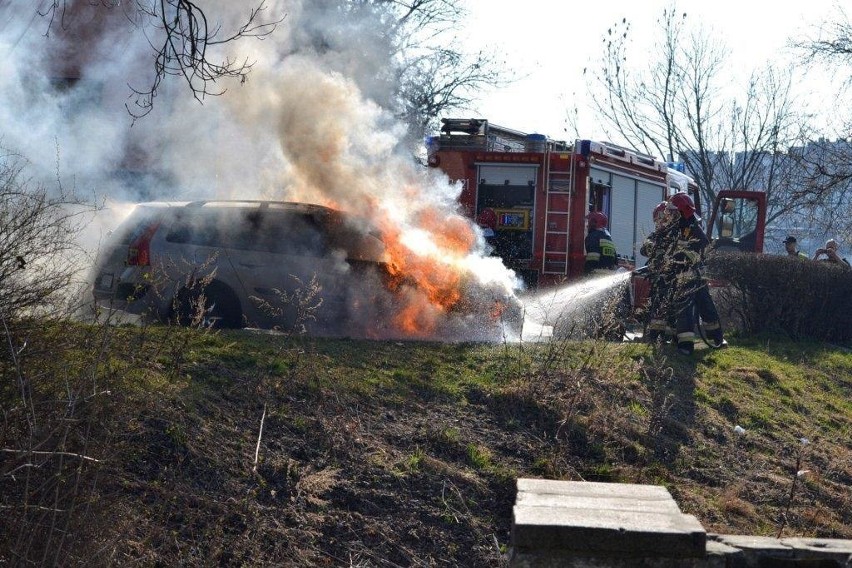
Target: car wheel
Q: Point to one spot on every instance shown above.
(220, 310)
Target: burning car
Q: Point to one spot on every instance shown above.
(255, 263)
(280, 265)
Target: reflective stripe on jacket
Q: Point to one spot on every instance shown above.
(600, 250)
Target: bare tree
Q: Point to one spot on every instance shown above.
(678, 105)
(182, 39)
(441, 81)
(828, 165)
(433, 75)
(831, 45)
(37, 244)
(429, 73)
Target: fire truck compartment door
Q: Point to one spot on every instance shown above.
(632, 204)
(507, 175)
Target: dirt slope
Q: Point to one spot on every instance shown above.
(405, 454)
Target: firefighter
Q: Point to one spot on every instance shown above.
(600, 250)
(690, 287)
(657, 247)
(791, 248)
(487, 221)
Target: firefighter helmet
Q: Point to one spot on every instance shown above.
(487, 218)
(659, 211)
(683, 203)
(597, 220)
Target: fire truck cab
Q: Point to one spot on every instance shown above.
(738, 221)
(532, 194)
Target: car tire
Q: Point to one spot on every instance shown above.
(222, 308)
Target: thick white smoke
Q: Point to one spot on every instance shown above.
(313, 122)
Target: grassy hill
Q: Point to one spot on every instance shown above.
(163, 446)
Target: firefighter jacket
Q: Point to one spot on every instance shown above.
(690, 287)
(659, 246)
(600, 250)
(689, 249)
(682, 270)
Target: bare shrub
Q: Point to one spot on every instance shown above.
(800, 298)
(602, 311)
(51, 440)
(660, 381)
(294, 310)
(47, 465)
(38, 249)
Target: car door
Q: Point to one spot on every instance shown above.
(196, 247)
(291, 275)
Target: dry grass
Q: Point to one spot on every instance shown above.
(402, 454)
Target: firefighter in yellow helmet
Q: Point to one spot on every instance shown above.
(691, 288)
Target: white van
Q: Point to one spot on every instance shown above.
(252, 262)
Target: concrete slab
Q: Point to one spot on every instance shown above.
(719, 549)
(839, 550)
(765, 550)
(592, 489)
(625, 503)
(558, 559)
(608, 532)
(764, 545)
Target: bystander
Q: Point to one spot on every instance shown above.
(791, 246)
(829, 254)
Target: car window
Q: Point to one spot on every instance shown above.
(283, 232)
(356, 244)
(287, 232)
(195, 227)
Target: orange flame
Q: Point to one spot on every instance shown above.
(428, 285)
(425, 285)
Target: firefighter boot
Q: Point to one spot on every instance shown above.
(685, 347)
(653, 335)
(716, 338)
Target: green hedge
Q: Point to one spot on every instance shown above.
(800, 297)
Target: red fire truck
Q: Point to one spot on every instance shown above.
(534, 194)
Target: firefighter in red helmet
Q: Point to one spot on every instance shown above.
(600, 250)
(487, 221)
(659, 246)
(690, 287)
(659, 214)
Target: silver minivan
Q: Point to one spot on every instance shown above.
(237, 263)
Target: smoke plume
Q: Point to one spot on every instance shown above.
(314, 122)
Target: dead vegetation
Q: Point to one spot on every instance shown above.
(261, 449)
(800, 298)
